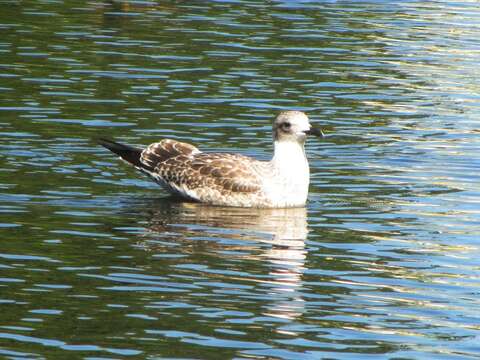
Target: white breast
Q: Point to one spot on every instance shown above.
(288, 185)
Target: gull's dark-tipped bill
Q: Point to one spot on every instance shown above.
(315, 131)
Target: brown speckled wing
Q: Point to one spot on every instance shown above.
(184, 169)
(229, 172)
(166, 149)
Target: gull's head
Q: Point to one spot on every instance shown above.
(293, 126)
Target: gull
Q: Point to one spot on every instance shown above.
(228, 179)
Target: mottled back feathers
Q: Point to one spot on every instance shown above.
(185, 169)
(165, 150)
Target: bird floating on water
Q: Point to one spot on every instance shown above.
(227, 179)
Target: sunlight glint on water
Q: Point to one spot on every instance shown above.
(98, 263)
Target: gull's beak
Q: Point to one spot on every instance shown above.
(315, 131)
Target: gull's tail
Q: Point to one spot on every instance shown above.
(126, 152)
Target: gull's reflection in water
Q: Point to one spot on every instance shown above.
(274, 239)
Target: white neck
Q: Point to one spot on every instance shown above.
(290, 160)
(289, 186)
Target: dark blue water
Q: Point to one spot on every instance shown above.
(98, 263)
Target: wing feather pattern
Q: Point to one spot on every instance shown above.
(183, 169)
(165, 150)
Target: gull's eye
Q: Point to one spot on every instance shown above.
(286, 126)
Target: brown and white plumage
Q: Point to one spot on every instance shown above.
(230, 179)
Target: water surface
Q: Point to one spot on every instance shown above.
(98, 263)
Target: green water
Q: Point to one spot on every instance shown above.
(98, 263)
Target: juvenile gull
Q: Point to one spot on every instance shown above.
(231, 179)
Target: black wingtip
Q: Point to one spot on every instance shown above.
(128, 153)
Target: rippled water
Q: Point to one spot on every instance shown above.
(97, 262)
